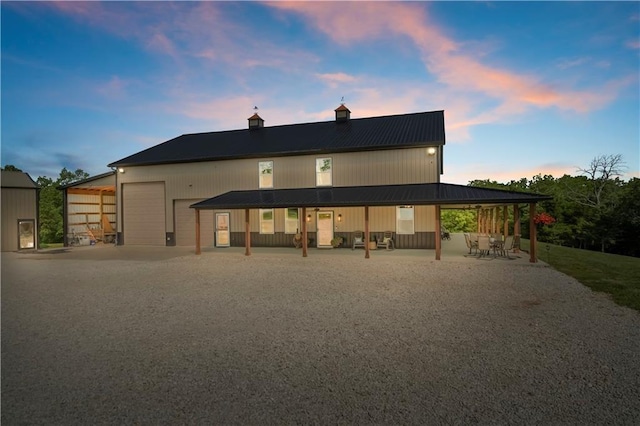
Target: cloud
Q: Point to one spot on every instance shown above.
(115, 88)
(445, 58)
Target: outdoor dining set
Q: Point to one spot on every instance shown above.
(491, 246)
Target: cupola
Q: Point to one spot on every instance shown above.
(255, 121)
(342, 113)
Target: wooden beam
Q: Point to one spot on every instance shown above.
(516, 224)
(438, 234)
(366, 232)
(247, 233)
(505, 221)
(532, 234)
(198, 231)
(304, 232)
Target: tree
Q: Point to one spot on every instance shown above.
(11, 168)
(51, 221)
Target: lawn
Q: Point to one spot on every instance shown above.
(616, 275)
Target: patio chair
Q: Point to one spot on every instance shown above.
(508, 245)
(471, 245)
(358, 240)
(386, 241)
(484, 246)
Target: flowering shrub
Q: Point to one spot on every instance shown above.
(543, 218)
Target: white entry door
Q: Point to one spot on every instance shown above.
(325, 229)
(222, 230)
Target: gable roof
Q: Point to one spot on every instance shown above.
(11, 179)
(374, 133)
(381, 195)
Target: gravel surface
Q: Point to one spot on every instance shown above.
(280, 339)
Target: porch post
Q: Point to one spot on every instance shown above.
(478, 220)
(304, 232)
(505, 221)
(532, 234)
(516, 224)
(198, 231)
(438, 236)
(366, 232)
(247, 233)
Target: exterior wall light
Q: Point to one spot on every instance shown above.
(339, 218)
(431, 151)
(308, 218)
(120, 170)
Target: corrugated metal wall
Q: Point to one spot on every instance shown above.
(85, 210)
(17, 204)
(207, 179)
(144, 216)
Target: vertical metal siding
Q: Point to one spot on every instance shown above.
(144, 213)
(17, 204)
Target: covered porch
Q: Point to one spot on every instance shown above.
(439, 195)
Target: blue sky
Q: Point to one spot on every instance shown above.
(527, 87)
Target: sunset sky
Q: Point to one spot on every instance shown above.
(527, 88)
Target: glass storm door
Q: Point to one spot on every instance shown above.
(325, 229)
(27, 234)
(222, 230)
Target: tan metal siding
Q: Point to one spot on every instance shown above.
(16, 204)
(144, 213)
(185, 226)
(207, 179)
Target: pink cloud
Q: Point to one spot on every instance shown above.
(115, 88)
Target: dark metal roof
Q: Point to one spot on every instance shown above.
(87, 180)
(387, 132)
(383, 195)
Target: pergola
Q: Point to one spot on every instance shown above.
(441, 195)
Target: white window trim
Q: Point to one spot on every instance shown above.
(321, 173)
(267, 225)
(403, 224)
(262, 167)
(291, 226)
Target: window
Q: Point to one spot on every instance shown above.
(404, 220)
(266, 221)
(265, 174)
(323, 172)
(291, 224)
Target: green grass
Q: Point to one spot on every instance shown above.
(51, 245)
(616, 275)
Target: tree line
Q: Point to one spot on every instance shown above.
(594, 210)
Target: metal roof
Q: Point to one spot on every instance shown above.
(383, 195)
(11, 179)
(374, 133)
(89, 180)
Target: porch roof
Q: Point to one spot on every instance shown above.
(444, 194)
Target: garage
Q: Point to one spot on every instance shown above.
(143, 213)
(185, 224)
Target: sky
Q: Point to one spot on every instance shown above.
(527, 88)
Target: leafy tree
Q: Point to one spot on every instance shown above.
(51, 221)
(11, 168)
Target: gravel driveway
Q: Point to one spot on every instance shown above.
(280, 339)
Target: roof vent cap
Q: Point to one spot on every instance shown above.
(342, 113)
(255, 121)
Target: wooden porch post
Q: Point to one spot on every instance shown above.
(438, 236)
(366, 232)
(304, 232)
(532, 234)
(247, 233)
(516, 224)
(198, 231)
(505, 221)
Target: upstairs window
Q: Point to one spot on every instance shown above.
(265, 174)
(404, 220)
(324, 169)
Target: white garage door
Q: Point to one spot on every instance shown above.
(185, 224)
(144, 217)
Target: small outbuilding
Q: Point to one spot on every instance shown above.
(19, 211)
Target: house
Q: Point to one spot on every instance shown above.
(89, 208)
(260, 186)
(19, 198)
